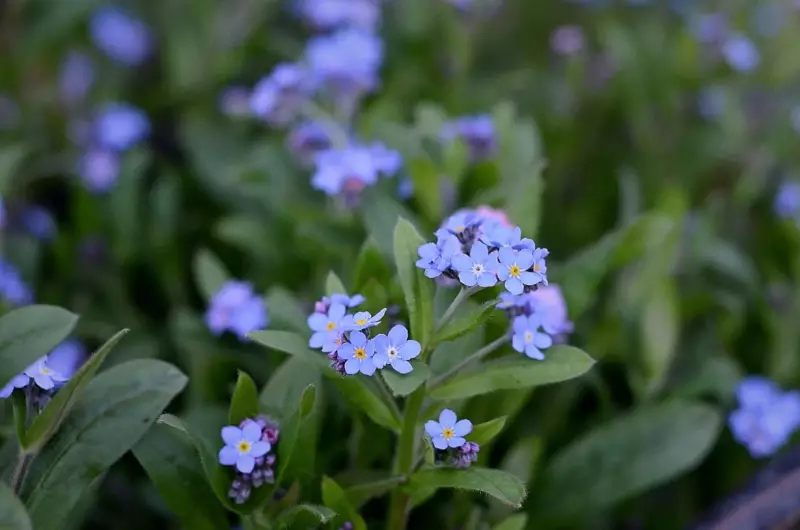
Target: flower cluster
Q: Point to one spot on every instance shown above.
(766, 417)
(247, 447)
(449, 442)
(235, 307)
(346, 338)
(13, 289)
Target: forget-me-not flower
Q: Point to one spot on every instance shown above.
(39, 223)
(67, 357)
(448, 431)
(549, 304)
(119, 126)
(99, 170)
(243, 446)
(119, 35)
(513, 270)
(332, 341)
(528, 339)
(345, 300)
(435, 258)
(539, 267)
(395, 350)
(308, 139)
(322, 324)
(358, 354)
(363, 320)
(76, 77)
(235, 307)
(740, 53)
(19, 381)
(479, 268)
(13, 289)
(766, 416)
(44, 376)
(477, 132)
(499, 236)
(331, 14)
(787, 200)
(347, 61)
(279, 97)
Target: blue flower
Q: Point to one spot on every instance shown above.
(787, 200)
(766, 417)
(308, 139)
(76, 77)
(345, 300)
(448, 432)
(279, 97)
(119, 126)
(396, 350)
(331, 14)
(540, 265)
(347, 61)
(549, 304)
(67, 357)
(459, 222)
(19, 381)
(243, 446)
(119, 35)
(477, 132)
(99, 170)
(387, 161)
(45, 377)
(499, 236)
(479, 268)
(39, 223)
(235, 307)
(358, 354)
(322, 324)
(363, 320)
(513, 270)
(349, 170)
(741, 54)
(13, 289)
(435, 258)
(332, 341)
(528, 339)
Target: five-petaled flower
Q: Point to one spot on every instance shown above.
(528, 339)
(243, 446)
(395, 350)
(479, 268)
(513, 270)
(44, 376)
(448, 431)
(358, 354)
(363, 320)
(322, 324)
(540, 265)
(435, 258)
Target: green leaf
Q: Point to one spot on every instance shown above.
(483, 433)
(359, 494)
(210, 273)
(515, 522)
(28, 333)
(418, 289)
(503, 486)
(110, 417)
(561, 363)
(285, 311)
(381, 213)
(370, 265)
(625, 458)
(290, 343)
(466, 321)
(403, 385)
(12, 512)
(319, 514)
(244, 403)
(334, 497)
(659, 331)
(284, 389)
(172, 465)
(46, 423)
(334, 285)
(290, 430)
(425, 176)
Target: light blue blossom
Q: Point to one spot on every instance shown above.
(39, 223)
(787, 200)
(332, 14)
(528, 339)
(358, 354)
(13, 289)
(321, 324)
(499, 236)
(332, 341)
(363, 320)
(741, 54)
(347, 61)
(388, 161)
(19, 381)
(119, 35)
(479, 268)
(44, 376)
(539, 267)
(435, 258)
(477, 132)
(279, 97)
(243, 446)
(99, 170)
(396, 350)
(448, 431)
(67, 357)
(459, 222)
(513, 269)
(119, 126)
(766, 416)
(308, 139)
(349, 170)
(236, 308)
(76, 77)
(549, 304)
(345, 300)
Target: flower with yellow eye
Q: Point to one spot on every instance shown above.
(528, 339)
(243, 446)
(363, 320)
(448, 431)
(357, 354)
(322, 324)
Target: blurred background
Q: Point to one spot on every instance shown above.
(650, 145)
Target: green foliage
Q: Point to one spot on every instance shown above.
(12, 512)
(500, 485)
(417, 289)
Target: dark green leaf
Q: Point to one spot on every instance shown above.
(283, 390)
(290, 430)
(244, 403)
(418, 289)
(46, 423)
(466, 321)
(12, 512)
(359, 494)
(28, 333)
(334, 285)
(210, 273)
(659, 332)
(503, 486)
(285, 311)
(403, 385)
(381, 214)
(626, 457)
(172, 465)
(425, 176)
(319, 514)
(114, 411)
(483, 433)
(515, 522)
(561, 363)
(369, 265)
(334, 497)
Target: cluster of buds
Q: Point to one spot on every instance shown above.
(243, 484)
(460, 457)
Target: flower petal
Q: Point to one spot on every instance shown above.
(479, 252)
(534, 353)
(518, 343)
(317, 339)
(440, 442)
(514, 286)
(231, 435)
(530, 278)
(462, 428)
(380, 360)
(352, 366)
(336, 312)
(228, 455)
(317, 322)
(260, 449)
(409, 350)
(456, 441)
(524, 259)
(447, 419)
(245, 464)
(251, 432)
(461, 262)
(467, 278)
(543, 341)
(346, 351)
(401, 366)
(44, 382)
(367, 366)
(398, 335)
(487, 279)
(433, 428)
(520, 324)
(358, 339)
(507, 256)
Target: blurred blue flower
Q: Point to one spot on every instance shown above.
(448, 431)
(235, 307)
(121, 36)
(358, 355)
(348, 171)
(567, 40)
(235, 101)
(119, 126)
(479, 268)
(13, 290)
(345, 300)
(435, 258)
(332, 14)
(787, 200)
(459, 222)
(708, 28)
(322, 324)
(548, 303)
(395, 350)
(495, 234)
(308, 139)
(346, 62)
(19, 381)
(363, 320)
(44, 376)
(766, 416)
(405, 188)
(387, 161)
(513, 269)
(278, 97)
(540, 264)
(528, 339)
(477, 132)
(67, 357)
(39, 223)
(243, 446)
(740, 53)
(99, 169)
(76, 77)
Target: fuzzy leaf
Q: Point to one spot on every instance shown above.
(334, 497)
(418, 289)
(483, 433)
(244, 403)
(334, 285)
(503, 486)
(402, 385)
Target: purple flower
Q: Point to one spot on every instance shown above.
(76, 77)
(346, 62)
(243, 446)
(99, 170)
(307, 140)
(348, 171)
(45, 377)
(513, 270)
(435, 258)
(119, 35)
(39, 223)
(358, 354)
(787, 200)
(708, 28)
(567, 40)
(528, 339)
(477, 132)
(548, 303)
(766, 417)
(13, 289)
(396, 350)
(279, 97)
(19, 381)
(235, 307)
(387, 161)
(323, 324)
(119, 126)
(363, 320)
(479, 268)
(332, 14)
(448, 432)
(741, 54)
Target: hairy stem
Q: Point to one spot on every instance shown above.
(478, 355)
(450, 312)
(404, 461)
(23, 463)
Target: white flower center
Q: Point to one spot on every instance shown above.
(477, 269)
(528, 337)
(391, 352)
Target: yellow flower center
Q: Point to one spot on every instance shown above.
(514, 270)
(45, 370)
(360, 353)
(361, 321)
(448, 433)
(330, 326)
(528, 337)
(243, 447)
(536, 267)
(459, 229)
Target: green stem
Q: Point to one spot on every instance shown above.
(20, 418)
(23, 463)
(450, 312)
(478, 355)
(398, 506)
